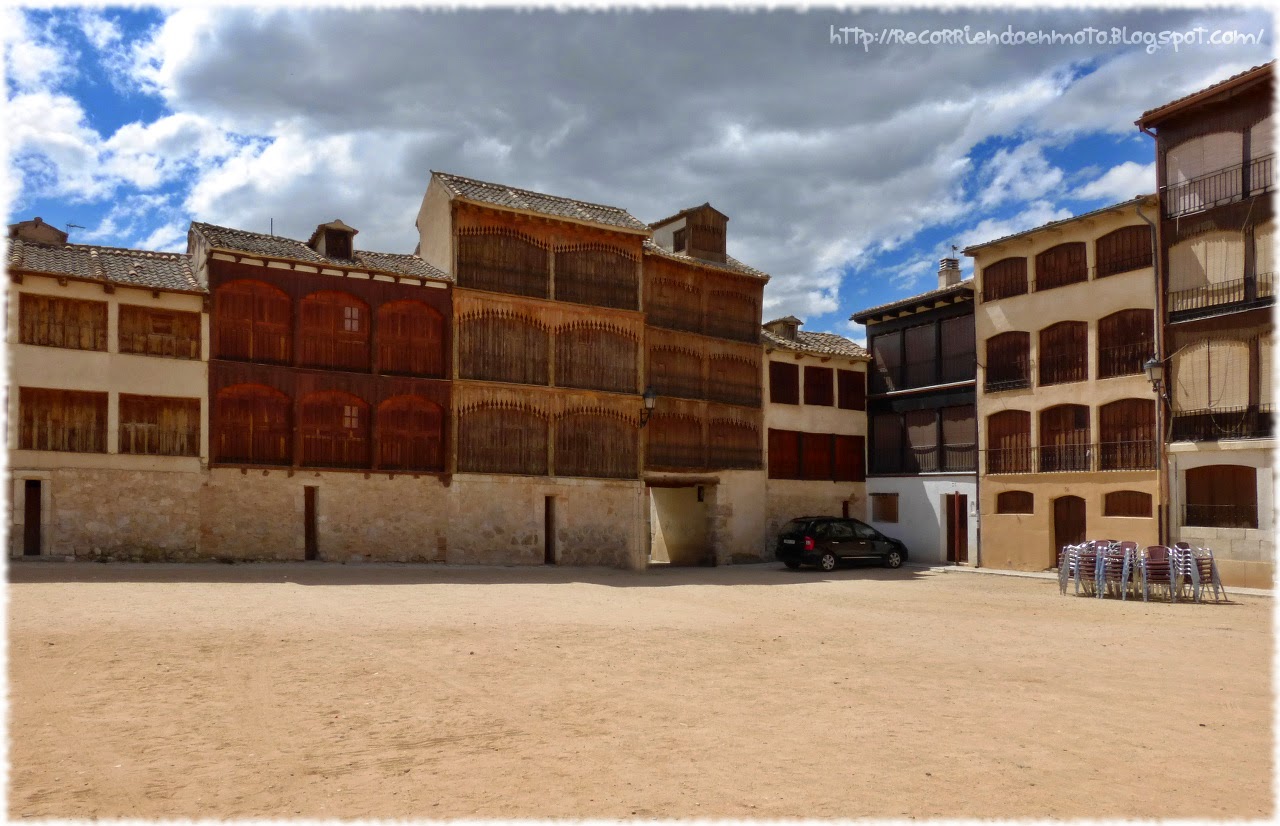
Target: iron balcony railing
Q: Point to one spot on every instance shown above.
(1060, 368)
(1222, 186)
(1253, 421)
(1220, 516)
(1123, 359)
(1072, 458)
(1225, 292)
(1115, 265)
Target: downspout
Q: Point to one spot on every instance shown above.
(1162, 458)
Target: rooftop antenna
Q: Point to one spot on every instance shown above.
(954, 250)
(273, 227)
(73, 226)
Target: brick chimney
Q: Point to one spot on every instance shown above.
(948, 272)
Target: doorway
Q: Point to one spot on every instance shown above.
(312, 551)
(1068, 525)
(31, 538)
(956, 508)
(549, 531)
(678, 525)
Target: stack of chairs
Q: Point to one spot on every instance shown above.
(1159, 568)
(1068, 558)
(1200, 569)
(1089, 566)
(1118, 566)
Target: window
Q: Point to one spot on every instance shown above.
(1128, 434)
(497, 346)
(1064, 438)
(1222, 496)
(62, 420)
(151, 332)
(675, 371)
(598, 444)
(734, 380)
(850, 452)
(1126, 249)
(816, 456)
(158, 426)
(733, 444)
(784, 383)
(784, 454)
(921, 355)
(504, 261)
(851, 389)
(335, 332)
(411, 339)
(1008, 361)
(818, 387)
(252, 322)
(1206, 270)
(1009, 442)
(1015, 501)
(886, 355)
(680, 239)
(1004, 279)
(62, 322)
(337, 243)
(1064, 353)
(1062, 265)
(1127, 503)
(598, 357)
(598, 274)
(884, 507)
(958, 356)
(410, 434)
(959, 438)
(674, 441)
(1125, 342)
(1211, 374)
(334, 430)
(251, 425)
(922, 440)
(887, 442)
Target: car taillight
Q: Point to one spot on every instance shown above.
(808, 543)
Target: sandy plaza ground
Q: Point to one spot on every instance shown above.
(321, 690)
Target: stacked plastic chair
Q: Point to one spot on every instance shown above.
(1088, 568)
(1117, 568)
(1158, 568)
(1201, 571)
(1068, 558)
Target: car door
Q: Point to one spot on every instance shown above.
(868, 539)
(841, 541)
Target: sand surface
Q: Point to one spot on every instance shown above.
(318, 690)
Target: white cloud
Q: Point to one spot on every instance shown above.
(34, 58)
(1034, 215)
(98, 29)
(1019, 174)
(1120, 183)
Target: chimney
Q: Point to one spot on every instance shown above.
(38, 232)
(948, 272)
(784, 327)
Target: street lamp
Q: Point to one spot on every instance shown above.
(650, 400)
(1154, 368)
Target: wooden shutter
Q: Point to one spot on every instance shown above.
(1064, 438)
(920, 356)
(596, 444)
(504, 261)
(1128, 431)
(734, 381)
(1124, 343)
(334, 331)
(1061, 265)
(732, 444)
(675, 371)
(922, 439)
(675, 441)
(251, 426)
(500, 346)
(1064, 352)
(334, 428)
(159, 426)
(958, 357)
(1004, 278)
(886, 352)
(596, 357)
(888, 442)
(784, 383)
(252, 322)
(1009, 442)
(50, 321)
(816, 456)
(64, 420)
(410, 339)
(502, 440)
(597, 274)
(1222, 496)
(851, 388)
(818, 387)
(410, 434)
(1015, 501)
(1008, 361)
(784, 454)
(1126, 503)
(1125, 249)
(850, 459)
(152, 332)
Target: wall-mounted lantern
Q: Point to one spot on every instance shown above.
(650, 401)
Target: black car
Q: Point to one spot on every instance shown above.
(826, 541)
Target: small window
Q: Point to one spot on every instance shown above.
(1127, 503)
(680, 240)
(1015, 501)
(884, 507)
(351, 319)
(819, 386)
(852, 390)
(784, 383)
(350, 417)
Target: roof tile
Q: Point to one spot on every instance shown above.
(554, 205)
(730, 264)
(137, 268)
(826, 344)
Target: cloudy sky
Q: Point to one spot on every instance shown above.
(847, 171)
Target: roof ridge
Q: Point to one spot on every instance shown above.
(510, 188)
(92, 248)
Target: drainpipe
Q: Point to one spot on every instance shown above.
(1162, 457)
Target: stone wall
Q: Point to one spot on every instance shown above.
(736, 516)
(789, 498)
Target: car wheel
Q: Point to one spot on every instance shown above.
(893, 559)
(792, 565)
(827, 562)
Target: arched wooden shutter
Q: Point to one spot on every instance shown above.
(1009, 442)
(674, 441)
(1125, 342)
(252, 425)
(733, 444)
(503, 261)
(1125, 249)
(675, 371)
(601, 275)
(1128, 438)
(335, 331)
(596, 444)
(1064, 352)
(596, 357)
(335, 428)
(1064, 438)
(1061, 265)
(411, 339)
(410, 434)
(252, 322)
(501, 439)
(499, 346)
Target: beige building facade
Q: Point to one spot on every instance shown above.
(1065, 321)
(816, 424)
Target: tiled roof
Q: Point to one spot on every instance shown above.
(730, 264)
(137, 268)
(1205, 91)
(827, 344)
(790, 318)
(960, 287)
(686, 211)
(275, 246)
(512, 198)
(1145, 200)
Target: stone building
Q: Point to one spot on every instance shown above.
(922, 451)
(1215, 158)
(108, 414)
(815, 415)
(1065, 322)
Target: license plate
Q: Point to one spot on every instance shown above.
(788, 542)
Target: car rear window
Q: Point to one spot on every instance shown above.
(795, 526)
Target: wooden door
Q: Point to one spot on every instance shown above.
(31, 519)
(1068, 525)
(309, 523)
(549, 532)
(957, 514)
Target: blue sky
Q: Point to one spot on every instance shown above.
(846, 172)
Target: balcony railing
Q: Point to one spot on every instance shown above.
(1118, 264)
(1223, 186)
(1251, 422)
(1072, 458)
(1008, 376)
(1220, 516)
(1060, 368)
(1123, 359)
(934, 459)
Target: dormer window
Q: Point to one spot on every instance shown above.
(337, 244)
(680, 240)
